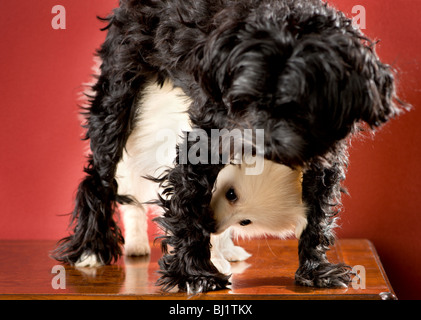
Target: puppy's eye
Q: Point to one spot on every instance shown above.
(231, 195)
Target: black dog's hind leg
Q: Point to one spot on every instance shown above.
(321, 193)
(109, 120)
(188, 222)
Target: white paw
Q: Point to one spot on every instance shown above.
(88, 260)
(235, 253)
(137, 248)
(222, 265)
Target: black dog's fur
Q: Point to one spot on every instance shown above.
(297, 69)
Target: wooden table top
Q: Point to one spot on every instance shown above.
(26, 273)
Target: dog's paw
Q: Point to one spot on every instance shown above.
(326, 275)
(205, 284)
(235, 253)
(137, 248)
(88, 259)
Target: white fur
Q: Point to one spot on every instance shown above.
(224, 250)
(88, 260)
(272, 201)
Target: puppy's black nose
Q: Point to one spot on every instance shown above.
(245, 222)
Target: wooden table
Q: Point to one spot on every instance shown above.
(26, 273)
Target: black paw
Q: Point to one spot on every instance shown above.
(204, 284)
(325, 275)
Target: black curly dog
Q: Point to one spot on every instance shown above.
(297, 69)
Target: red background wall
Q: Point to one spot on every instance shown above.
(41, 155)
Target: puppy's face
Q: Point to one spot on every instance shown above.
(266, 204)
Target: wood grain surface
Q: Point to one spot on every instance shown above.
(26, 273)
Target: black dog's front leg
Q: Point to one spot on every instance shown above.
(188, 222)
(321, 192)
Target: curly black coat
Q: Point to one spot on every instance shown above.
(298, 69)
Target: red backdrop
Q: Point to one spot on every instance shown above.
(41, 158)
